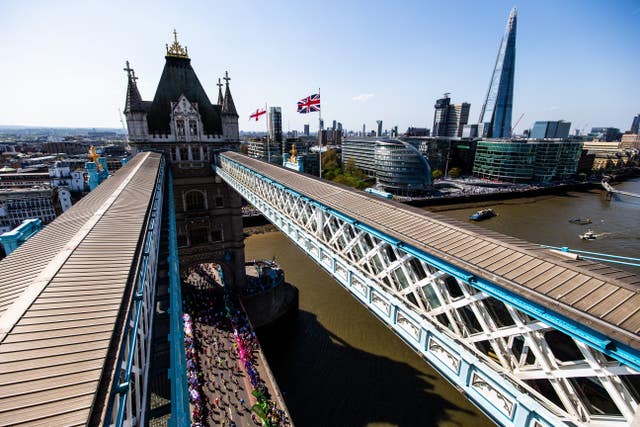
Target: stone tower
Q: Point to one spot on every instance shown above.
(182, 122)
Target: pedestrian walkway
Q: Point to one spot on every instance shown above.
(225, 384)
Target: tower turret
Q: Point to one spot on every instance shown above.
(220, 97)
(134, 109)
(230, 128)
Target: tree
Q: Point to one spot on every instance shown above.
(244, 149)
(351, 169)
(435, 174)
(330, 160)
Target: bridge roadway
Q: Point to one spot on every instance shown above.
(63, 298)
(606, 299)
(393, 258)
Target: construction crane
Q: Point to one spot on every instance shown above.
(516, 123)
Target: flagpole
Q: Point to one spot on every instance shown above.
(267, 126)
(320, 133)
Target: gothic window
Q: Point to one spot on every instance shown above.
(193, 128)
(182, 239)
(184, 154)
(198, 234)
(194, 200)
(195, 153)
(216, 234)
(172, 153)
(219, 202)
(180, 127)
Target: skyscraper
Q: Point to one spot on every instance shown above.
(495, 116)
(379, 122)
(275, 128)
(449, 119)
(635, 126)
(306, 130)
(275, 124)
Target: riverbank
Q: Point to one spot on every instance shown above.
(488, 191)
(503, 195)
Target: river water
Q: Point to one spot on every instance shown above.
(339, 366)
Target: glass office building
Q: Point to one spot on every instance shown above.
(519, 162)
(495, 116)
(401, 168)
(398, 166)
(550, 130)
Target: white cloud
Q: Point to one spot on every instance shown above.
(554, 108)
(363, 97)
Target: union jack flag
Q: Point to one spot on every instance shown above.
(310, 104)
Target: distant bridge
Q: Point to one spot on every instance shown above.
(612, 190)
(531, 337)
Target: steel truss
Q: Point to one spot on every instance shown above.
(517, 369)
(128, 396)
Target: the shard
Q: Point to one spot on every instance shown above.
(495, 117)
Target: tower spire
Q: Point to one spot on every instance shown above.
(134, 100)
(220, 97)
(228, 107)
(176, 50)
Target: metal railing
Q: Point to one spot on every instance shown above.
(137, 327)
(616, 259)
(180, 415)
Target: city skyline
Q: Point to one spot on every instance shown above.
(70, 74)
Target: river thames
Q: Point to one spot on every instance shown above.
(339, 366)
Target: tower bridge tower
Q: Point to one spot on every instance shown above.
(182, 122)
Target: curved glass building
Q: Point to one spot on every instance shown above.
(400, 168)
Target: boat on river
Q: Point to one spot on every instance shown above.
(588, 235)
(580, 221)
(483, 214)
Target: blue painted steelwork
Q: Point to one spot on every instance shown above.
(379, 193)
(617, 350)
(599, 256)
(448, 356)
(180, 415)
(92, 171)
(96, 176)
(122, 385)
(14, 238)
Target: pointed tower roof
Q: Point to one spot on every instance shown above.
(228, 107)
(134, 101)
(220, 98)
(178, 78)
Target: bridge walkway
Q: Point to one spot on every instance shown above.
(591, 294)
(64, 297)
(612, 190)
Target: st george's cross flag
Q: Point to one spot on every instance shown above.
(310, 104)
(257, 114)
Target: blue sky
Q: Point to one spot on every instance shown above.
(388, 60)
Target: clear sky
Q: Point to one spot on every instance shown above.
(389, 60)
